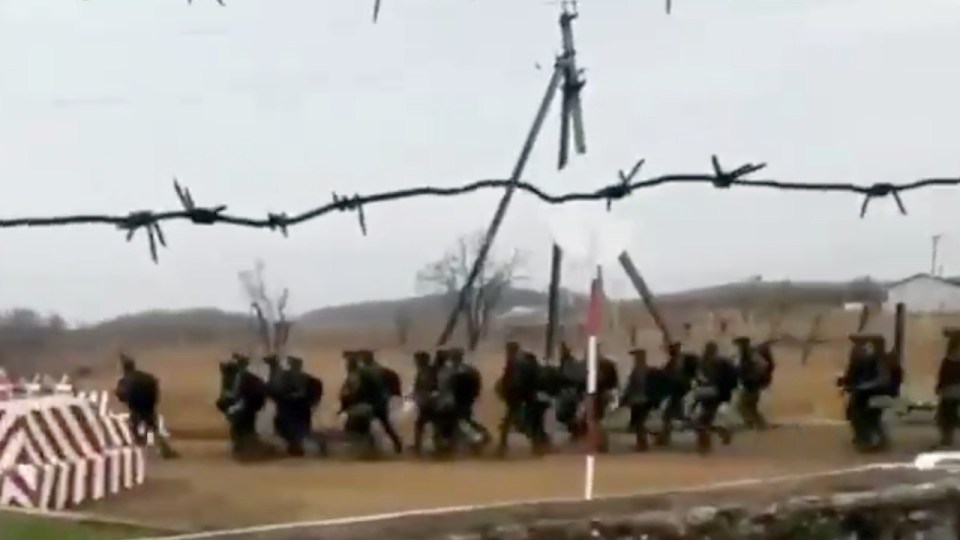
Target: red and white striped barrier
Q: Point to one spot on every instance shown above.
(100, 399)
(57, 451)
(45, 385)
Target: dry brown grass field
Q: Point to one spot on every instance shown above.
(206, 489)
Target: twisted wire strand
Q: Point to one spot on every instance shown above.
(150, 220)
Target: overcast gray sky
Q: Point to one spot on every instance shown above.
(271, 105)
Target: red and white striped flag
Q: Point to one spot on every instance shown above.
(595, 308)
(594, 316)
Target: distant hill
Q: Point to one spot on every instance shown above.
(746, 294)
(208, 324)
(25, 341)
(382, 313)
(204, 323)
(171, 325)
(740, 295)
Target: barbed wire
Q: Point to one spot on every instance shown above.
(377, 4)
(150, 221)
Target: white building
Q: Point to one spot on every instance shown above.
(523, 316)
(924, 293)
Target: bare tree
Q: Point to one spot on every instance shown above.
(448, 274)
(273, 328)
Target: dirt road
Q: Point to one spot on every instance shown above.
(205, 490)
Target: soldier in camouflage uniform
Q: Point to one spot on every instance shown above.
(948, 388)
(467, 384)
(756, 374)
(140, 392)
(716, 380)
(299, 395)
(379, 396)
(871, 373)
(637, 396)
(424, 388)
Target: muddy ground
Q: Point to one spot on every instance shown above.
(206, 490)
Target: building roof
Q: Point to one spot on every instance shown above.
(537, 316)
(951, 281)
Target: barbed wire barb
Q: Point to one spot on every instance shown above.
(198, 215)
(621, 190)
(146, 220)
(882, 190)
(345, 204)
(278, 222)
(724, 180)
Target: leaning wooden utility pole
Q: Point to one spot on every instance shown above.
(561, 74)
(571, 109)
(553, 303)
(934, 251)
(899, 331)
(647, 296)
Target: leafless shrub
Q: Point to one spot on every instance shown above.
(448, 274)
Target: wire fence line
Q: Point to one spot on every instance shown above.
(378, 4)
(627, 184)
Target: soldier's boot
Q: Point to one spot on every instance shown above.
(859, 429)
(481, 430)
(865, 439)
(726, 436)
(603, 441)
(137, 431)
(761, 421)
(859, 438)
(417, 446)
(320, 439)
(874, 432)
(861, 443)
(578, 429)
(944, 429)
(504, 432)
(541, 443)
(882, 443)
(244, 446)
(236, 443)
(746, 415)
(642, 444)
(946, 436)
(166, 451)
(442, 444)
(237, 449)
(664, 435)
(295, 447)
(369, 447)
(704, 441)
(538, 448)
(393, 436)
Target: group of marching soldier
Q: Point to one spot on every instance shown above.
(873, 378)
(686, 389)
